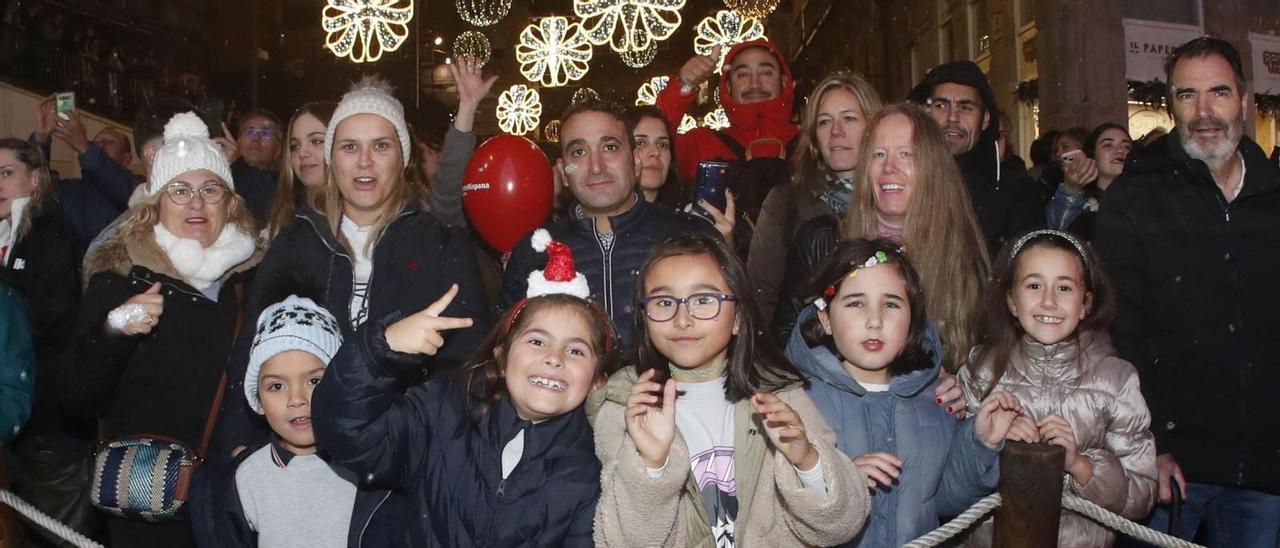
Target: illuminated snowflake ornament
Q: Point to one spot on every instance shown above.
(725, 29)
(628, 25)
(519, 109)
(648, 92)
(640, 59)
(687, 124)
(363, 30)
(483, 13)
(473, 44)
(758, 9)
(716, 119)
(584, 94)
(553, 52)
(551, 132)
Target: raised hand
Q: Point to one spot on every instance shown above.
(1079, 172)
(45, 120)
(699, 68)
(420, 333)
(71, 131)
(724, 221)
(152, 306)
(995, 416)
(880, 469)
(471, 83)
(652, 428)
(230, 147)
(785, 429)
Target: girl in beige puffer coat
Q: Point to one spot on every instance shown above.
(1047, 311)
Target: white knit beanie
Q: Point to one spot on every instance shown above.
(295, 323)
(186, 147)
(369, 96)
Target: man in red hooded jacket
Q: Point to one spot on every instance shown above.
(756, 91)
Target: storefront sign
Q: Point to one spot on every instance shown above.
(1149, 43)
(1266, 63)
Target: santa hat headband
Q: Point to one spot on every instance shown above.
(559, 277)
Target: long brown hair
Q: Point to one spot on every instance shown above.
(941, 232)
(483, 377)
(1001, 330)
(808, 167)
(756, 364)
(28, 155)
(282, 208)
(328, 201)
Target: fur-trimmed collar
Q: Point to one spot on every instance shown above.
(137, 247)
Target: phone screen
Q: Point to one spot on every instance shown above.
(65, 102)
(709, 185)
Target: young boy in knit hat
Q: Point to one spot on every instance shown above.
(288, 495)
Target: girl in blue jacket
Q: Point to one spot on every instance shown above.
(862, 346)
(501, 454)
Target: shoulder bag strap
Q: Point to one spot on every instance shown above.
(222, 384)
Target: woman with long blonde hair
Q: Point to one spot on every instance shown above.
(822, 181)
(913, 193)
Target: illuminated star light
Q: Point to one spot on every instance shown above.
(365, 29)
(716, 119)
(553, 52)
(725, 29)
(628, 25)
(648, 92)
(519, 109)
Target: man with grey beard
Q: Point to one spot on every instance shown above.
(1190, 235)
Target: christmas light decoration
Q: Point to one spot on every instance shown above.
(758, 9)
(363, 30)
(639, 59)
(686, 124)
(553, 51)
(725, 29)
(716, 119)
(584, 94)
(483, 13)
(551, 133)
(472, 44)
(648, 92)
(519, 109)
(628, 25)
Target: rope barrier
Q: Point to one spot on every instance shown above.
(961, 522)
(40, 518)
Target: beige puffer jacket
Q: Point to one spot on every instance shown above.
(1098, 394)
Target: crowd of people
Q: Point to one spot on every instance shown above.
(836, 357)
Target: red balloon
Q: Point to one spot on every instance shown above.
(507, 190)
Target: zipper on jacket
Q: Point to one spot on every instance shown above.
(606, 256)
(368, 290)
(360, 539)
(502, 488)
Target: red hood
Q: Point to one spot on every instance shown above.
(766, 117)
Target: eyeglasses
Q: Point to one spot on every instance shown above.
(260, 133)
(209, 194)
(702, 306)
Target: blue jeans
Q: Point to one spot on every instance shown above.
(1235, 518)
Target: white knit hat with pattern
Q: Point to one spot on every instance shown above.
(186, 147)
(296, 323)
(369, 96)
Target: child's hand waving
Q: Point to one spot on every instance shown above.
(785, 429)
(1055, 430)
(652, 428)
(420, 333)
(995, 416)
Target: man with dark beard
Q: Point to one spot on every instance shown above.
(960, 99)
(1190, 235)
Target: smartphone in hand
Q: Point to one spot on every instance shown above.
(63, 103)
(710, 184)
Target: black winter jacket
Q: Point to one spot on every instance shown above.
(1195, 279)
(449, 463)
(44, 268)
(807, 253)
(610, 274)
(414, 263)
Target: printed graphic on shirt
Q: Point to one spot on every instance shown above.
(713, 472)
(359, 303)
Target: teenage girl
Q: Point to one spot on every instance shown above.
(1047, 312)
(501, 456)
(710, 440)
(862, 346)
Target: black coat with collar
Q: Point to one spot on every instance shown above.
(1195, 279)
(414, 263)
(162, 383)
(448, 464)
(611, 274)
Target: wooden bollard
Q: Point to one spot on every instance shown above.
(1031, 493)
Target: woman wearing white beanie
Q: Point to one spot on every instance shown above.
(159, 313)
(371, 240)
